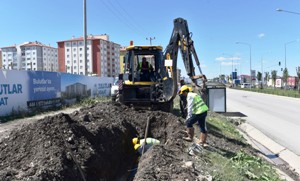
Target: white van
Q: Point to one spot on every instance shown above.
(245, 85)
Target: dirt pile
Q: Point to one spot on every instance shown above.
(93, 144)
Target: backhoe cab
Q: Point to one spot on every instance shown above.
(149, 79)
(139, 84)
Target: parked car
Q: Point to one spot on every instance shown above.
(245, 85)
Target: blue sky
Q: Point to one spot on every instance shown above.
(216, 26)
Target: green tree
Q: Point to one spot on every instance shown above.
(285, 76)
(267, 76)
(259, 76)
(222, 77)
(274, 76)
(298, 74)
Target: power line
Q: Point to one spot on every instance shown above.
(117, 13)
(117, 16)
(130, 17)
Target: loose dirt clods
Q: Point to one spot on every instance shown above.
(95, 143)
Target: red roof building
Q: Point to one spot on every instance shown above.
(103, 56)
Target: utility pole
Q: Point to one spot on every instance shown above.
(150, 38)
(84, 37)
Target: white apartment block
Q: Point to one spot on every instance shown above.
(102, 56)
(30, 56)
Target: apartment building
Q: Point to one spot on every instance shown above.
(103, 56)
(9, 57)
(122, 56)
(30, 56)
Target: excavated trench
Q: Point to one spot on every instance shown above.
(94, 143)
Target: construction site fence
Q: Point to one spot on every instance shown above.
(25, 91)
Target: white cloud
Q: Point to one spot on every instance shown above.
(261, 35)
(221, 59)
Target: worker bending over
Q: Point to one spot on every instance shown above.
(196, 112)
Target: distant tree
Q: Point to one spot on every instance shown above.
(222, 78)
(259, 76)
(274, 76)
(267, 76)
(298, 74)
(285, 76)
(230, 77)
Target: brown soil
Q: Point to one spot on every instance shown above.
(94, 143)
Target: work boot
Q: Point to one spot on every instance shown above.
(190, 133)
(203, 137)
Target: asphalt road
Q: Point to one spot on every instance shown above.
(277, 117)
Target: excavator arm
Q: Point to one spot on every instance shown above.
(180, 40)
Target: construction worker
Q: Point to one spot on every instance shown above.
(139, 144)
(145, 69)
(182, 102)
(196, 112)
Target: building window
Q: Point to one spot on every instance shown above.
(80, 49)
(68, 50)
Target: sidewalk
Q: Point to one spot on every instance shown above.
(283, 153)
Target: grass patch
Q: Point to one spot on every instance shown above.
(231, 158)
(276, 91)
(222, 126)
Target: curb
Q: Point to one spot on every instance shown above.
(288, 156)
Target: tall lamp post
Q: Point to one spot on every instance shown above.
(285, 50)
(262, 67)
(84, 38)
(249, 45)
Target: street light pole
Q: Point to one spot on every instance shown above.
(84, 38)
(249, 45)
(285, 51)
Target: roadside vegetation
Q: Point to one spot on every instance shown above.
(274, 91)
(232, 158)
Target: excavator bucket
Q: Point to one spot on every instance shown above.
(168, 89)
